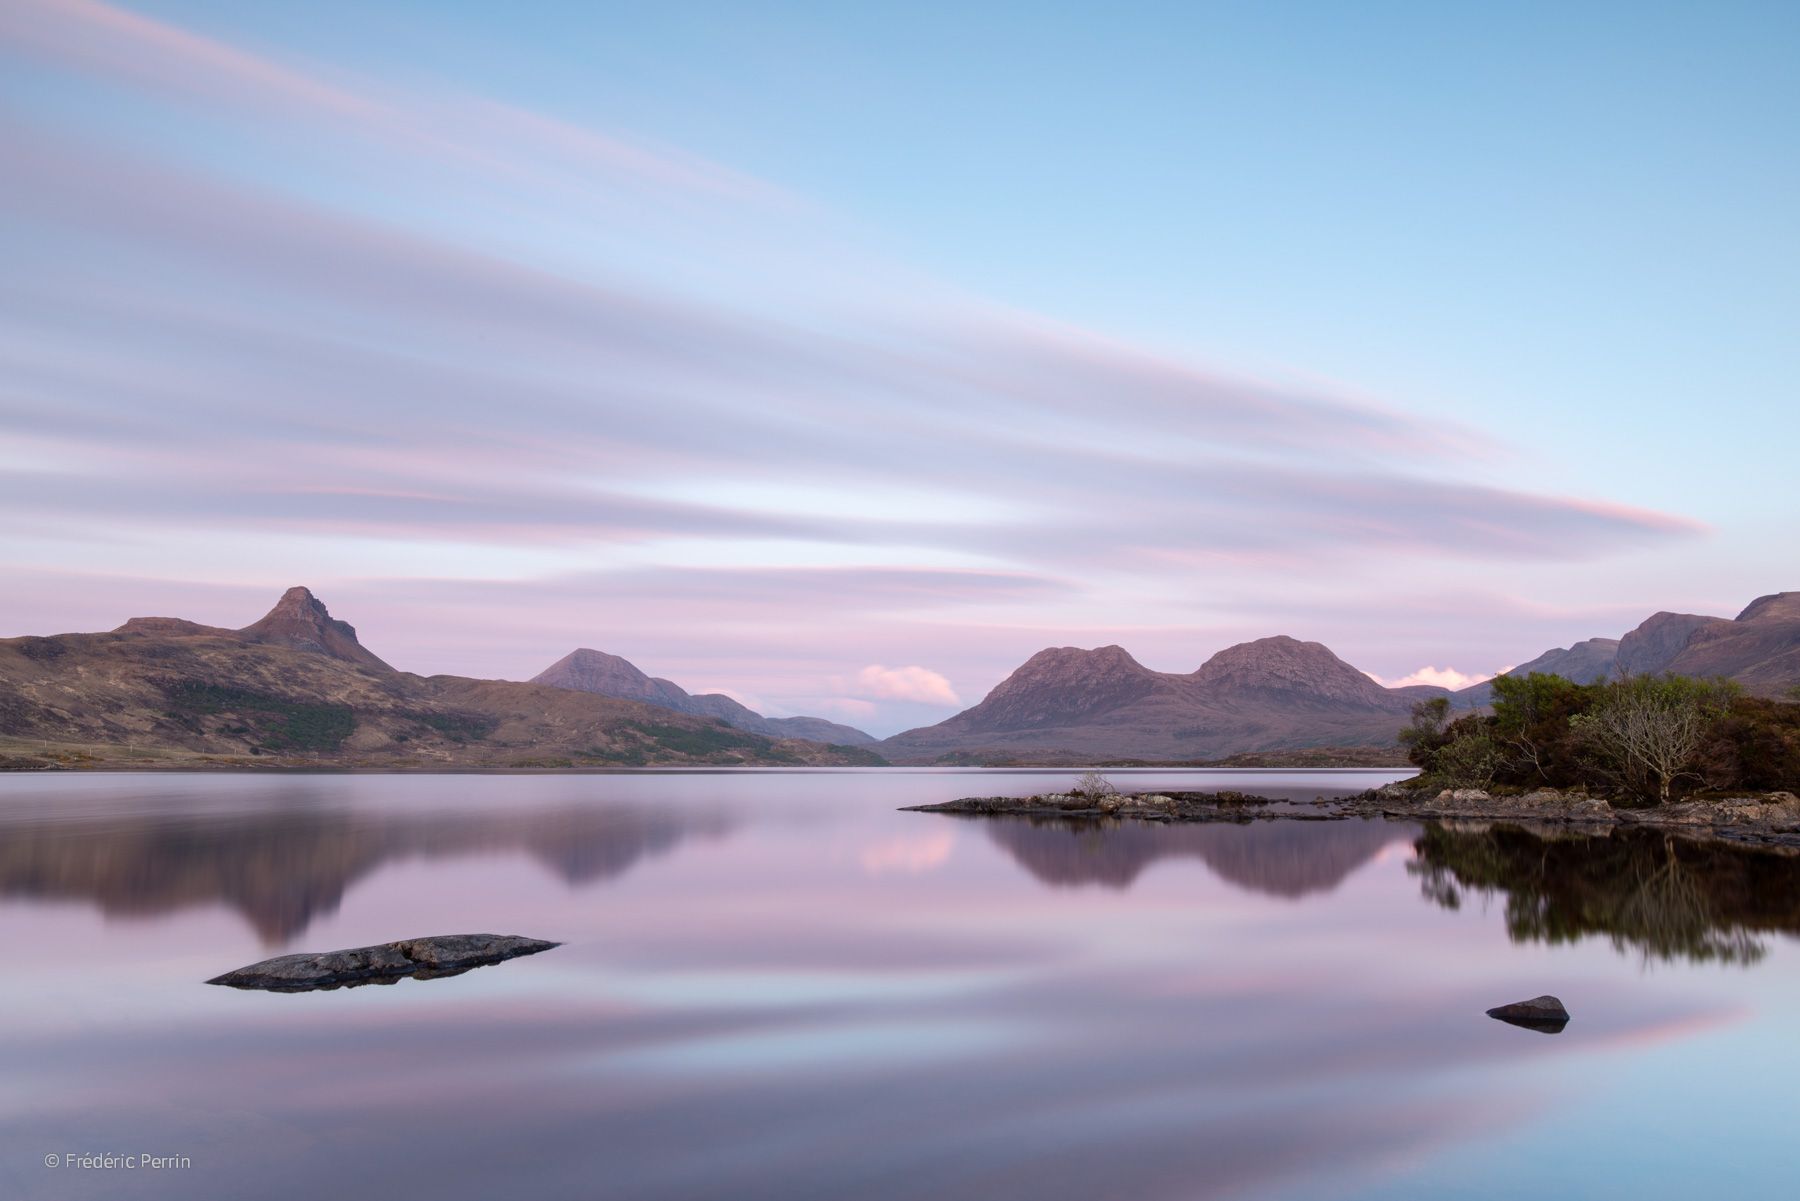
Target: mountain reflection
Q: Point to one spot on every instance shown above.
(1283, 859)
(1666, 898)
(283, 868)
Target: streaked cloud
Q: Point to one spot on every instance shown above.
(554, 386)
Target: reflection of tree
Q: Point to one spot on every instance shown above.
(1664, 897)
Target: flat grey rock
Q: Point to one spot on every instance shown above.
(1545, 1014)
(414, 958)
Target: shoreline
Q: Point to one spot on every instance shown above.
(1762, 819)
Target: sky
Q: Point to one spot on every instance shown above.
(839, 357)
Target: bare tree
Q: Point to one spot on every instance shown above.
(1652, 729)
(1093, 786)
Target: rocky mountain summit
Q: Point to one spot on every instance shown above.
(301, 622)
(586, 670)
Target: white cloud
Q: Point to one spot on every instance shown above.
(1443, 677)
(903, 684)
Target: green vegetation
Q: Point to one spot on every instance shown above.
(272, 722)
(460, 728)
(1647, 738)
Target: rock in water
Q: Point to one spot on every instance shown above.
(419, 958)
(1544, 1013)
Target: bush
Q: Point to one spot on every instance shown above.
(1651, 737)
(1094, 786)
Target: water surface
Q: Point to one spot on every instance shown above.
(775, 985)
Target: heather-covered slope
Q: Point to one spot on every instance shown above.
(296, 687)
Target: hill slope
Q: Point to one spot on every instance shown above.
(297, 688)
(1759, 649)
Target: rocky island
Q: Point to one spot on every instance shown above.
(1765, 819)
(386, 963)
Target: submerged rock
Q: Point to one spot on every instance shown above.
(1545, 1014)
(417, 958)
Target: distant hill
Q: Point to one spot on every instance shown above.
(1066, 704)
(1759, 649)
(298, 688)
(597, 672)
(1583, 663)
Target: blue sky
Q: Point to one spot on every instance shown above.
(766, 344)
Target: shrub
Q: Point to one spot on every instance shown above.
(1094, 786)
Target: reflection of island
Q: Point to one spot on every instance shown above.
(281, 869)
(1665, 897)
(1284, 859)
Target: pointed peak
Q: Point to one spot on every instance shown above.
(300, 621)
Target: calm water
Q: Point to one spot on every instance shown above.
(776, 986)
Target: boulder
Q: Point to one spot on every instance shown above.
(417, 958)
(1544, 1013)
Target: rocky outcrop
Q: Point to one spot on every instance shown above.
(415, 958)
(588, 670)
(1144, 806)
(301, 622)
(1771, 818)
(1545, 1014)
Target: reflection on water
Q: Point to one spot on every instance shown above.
(1283, 859)
(798, 992)
(1663, 897)
(282, 869)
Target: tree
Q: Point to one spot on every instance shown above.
(1423, 737)
(1650, 729)
(1531, 724)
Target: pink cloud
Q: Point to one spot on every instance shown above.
(913, 683)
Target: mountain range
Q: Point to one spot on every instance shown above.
(1068, 705)
(297, 687)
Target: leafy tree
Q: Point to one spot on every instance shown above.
(1424, 736)
(1532, 716)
